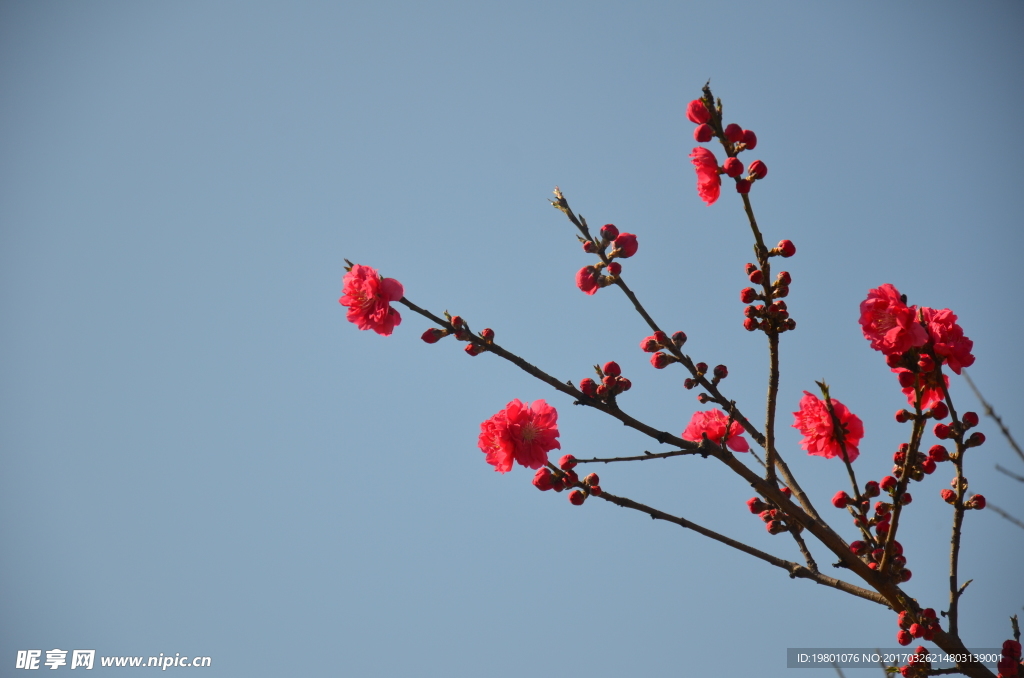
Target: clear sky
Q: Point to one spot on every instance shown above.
(199, 455)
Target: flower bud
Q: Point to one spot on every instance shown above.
(734, 133)
(611, 369)
(749, 324)
(588, 387)
(679, 338)
(571, 478)
(756, 276)
(840, 500)
(776, 526)
(881, 508)
(916, 630)
(786, 248)
(783, 278)
(759, 170)
(703, 133)
(487, 334)
(858, 547)
(749, 139)
(977, 438)
(743, 186)
(1011, 648)
(433, 335)
(595, 490)
(905, 575)
(661, 360)
(623, 384)
(733, 167)
(970, 419)
(702, 368)
(907, 379)
(940, 411)
(697, 112)
(587, 280)
(948, 496)
(888, 484)
(609, 232)
(649, 345)
(592, 479)
(474, 349)
(882, 528)
(589, 247)
(786, 491)
(905, 498)
(614, 268)
(749, 268)
(941, 431)
(721, 372)
(748, 295)
(688, 384)
(902, 416)
(904, 620)
(756, 505)
(904, 638)
(928, 466)
(976, 502)
(871, 489)
(543, 479)
(626, 245)
(567, 462)
(576, 497)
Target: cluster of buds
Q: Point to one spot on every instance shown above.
(475, 345)
(708, 118)
(775, 519)
(659, 340)
(919, 464)
(872, 551)
(564, 477)
(956, 431)
(923, 625)
(624, 245)
(772, 315)
(1010, 665)
(917, 664)
(611, 383)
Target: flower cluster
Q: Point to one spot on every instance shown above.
(734, 139)
(773, 314)
(776, 521)
(718, 428)
(368, 296)
(564, 477)
(917, 665)
(920, 625)
(821, 436)
(916, 343)
(612, 383)
(521, 433)
(658, 341)
(1010, 665)
(624, 245)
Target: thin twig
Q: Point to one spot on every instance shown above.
(991, 413)
(1004, 514)
(1012, 475)
(643, 457)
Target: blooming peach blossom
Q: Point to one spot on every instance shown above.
(709, 183)
(713, 423)
(820, 436)
(888, 323)
(368, 297)
(521, 433)
(948, 338)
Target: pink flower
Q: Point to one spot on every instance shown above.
(586, 279)
(522, 433)
(697, 112)
(713, 423)
(368, 297)
(932, 394)
(888, 323)
(709, 184)
(626, 245)
(820, 436)
(948, 338)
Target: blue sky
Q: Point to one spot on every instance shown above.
(200, 456)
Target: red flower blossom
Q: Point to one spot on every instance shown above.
(626, 245)
(820, 436)
(713, 423)
(522, 433)
(368, 297)
(948, 337)
(932, 394)
(709, 184)
(587, 279)
(888, 323)
(697, 112)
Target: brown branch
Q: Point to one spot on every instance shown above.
(1012, 475)
(643, 457)
(795, 570)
